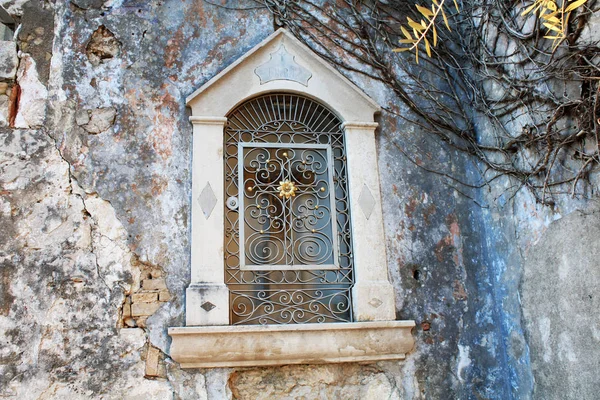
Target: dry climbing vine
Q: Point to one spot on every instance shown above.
(553, 14)
(493, 88)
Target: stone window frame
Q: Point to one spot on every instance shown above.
(279, 64)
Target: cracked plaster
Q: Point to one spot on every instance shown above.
(79, 211)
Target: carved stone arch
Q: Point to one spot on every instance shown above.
(282, 64)
(245, 79)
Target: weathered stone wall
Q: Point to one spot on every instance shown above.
(560, 307)
(94, 256)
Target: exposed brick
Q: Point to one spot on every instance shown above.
(139, 309)
(164, 295)
(144, 297)
(156, 273)
(141, 321)
(162, 370)
(127, 308)
(152, 362)
(129, 322)
(154, 284)
(3, 87)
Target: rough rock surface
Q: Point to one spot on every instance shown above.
(64, 268)
(337, 381)
(102, 45)
(94, 211)
(36, 33)
(560, 305)
(4, 107)
(96, 121)
(33, 95)
(8, 60)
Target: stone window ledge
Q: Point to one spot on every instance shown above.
(258, 345)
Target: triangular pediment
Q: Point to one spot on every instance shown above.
(281, 63)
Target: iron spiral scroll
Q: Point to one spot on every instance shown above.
(288, 245)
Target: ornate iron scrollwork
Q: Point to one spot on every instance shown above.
(288, 251)
(287, 210)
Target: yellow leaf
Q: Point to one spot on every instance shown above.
(551, 15)
(446, 20)
(406, 33)
(414, 25)
(407, 41)
(552, 27)
(400, 49)
(528, 9)
(552, 20)
(565, 21)
(427, 47)
(417, 54)
(456, 5)
(575, 5)
(550, 5)
(425, 11)
(434, 35)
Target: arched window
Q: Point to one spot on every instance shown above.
(288, 244)
(288, 261)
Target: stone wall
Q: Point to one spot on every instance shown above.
(560, 304)
(94, 256)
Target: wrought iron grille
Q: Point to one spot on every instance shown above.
(288, 247)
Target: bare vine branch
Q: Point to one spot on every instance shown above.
(493, 88)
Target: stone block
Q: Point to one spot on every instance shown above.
(102, 45)
(141, 321)
(142, 309)
(154, 284)
(215, 313)
(8, 60)
(156, 273)
(96, 120)
(162, 370)
(164, 295)
(144, 297)
(82, 117)
(127, 308)
(32, 100)
(374, 301)
(152, 358)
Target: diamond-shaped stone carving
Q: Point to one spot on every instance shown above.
(207, 200)
(375, 302)
(366, 201)
(207, 306)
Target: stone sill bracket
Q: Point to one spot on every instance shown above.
(257, 345)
